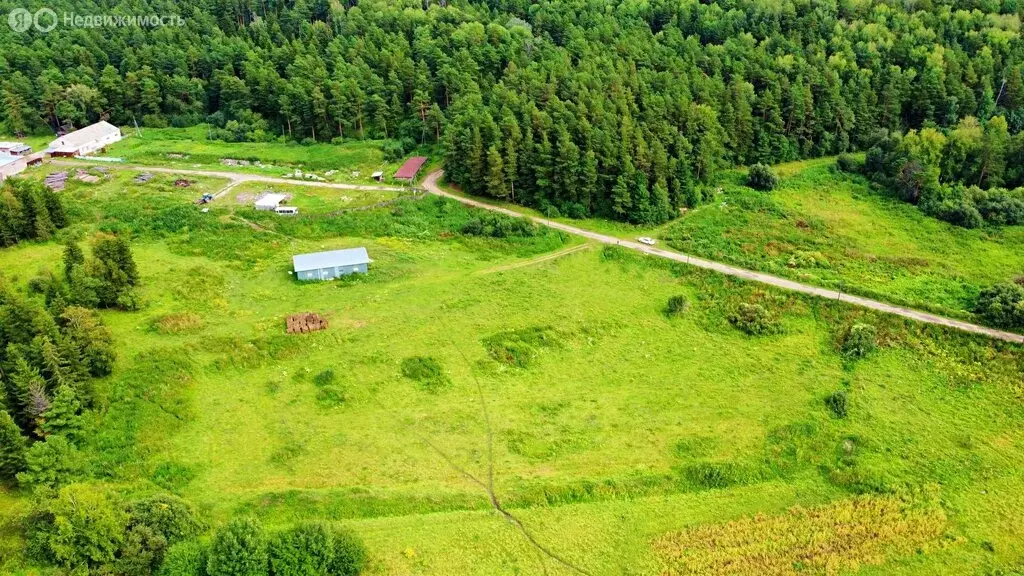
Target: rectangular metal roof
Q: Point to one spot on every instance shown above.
(271, 200)
(17, 147)
(411, 167)
(334, 258)
(5, 159)
(79, 138)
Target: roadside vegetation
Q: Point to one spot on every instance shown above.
(828, 228)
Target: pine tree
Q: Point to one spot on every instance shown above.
(64, 415)
(55, 367)
(73, 256)
(13, 448)
(495, 174)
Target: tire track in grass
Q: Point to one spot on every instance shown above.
(487, 485)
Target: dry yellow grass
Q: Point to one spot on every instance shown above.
(827, 540)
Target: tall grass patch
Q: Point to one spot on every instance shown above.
(830, 539)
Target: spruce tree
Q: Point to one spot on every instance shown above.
(12, 448)
(64, 415)
(73, 256)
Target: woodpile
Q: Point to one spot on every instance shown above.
(306, 322)
(182, 183)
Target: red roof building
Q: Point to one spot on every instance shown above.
(411, 168)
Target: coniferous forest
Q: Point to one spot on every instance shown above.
(622, 109)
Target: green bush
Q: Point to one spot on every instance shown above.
(427, 371)
(755, 320)
(324, 378)
(847, 163)
(520, 347)
(82, 530)
(169, 516)
(859, 341)
(184, 559)
(238, 549)
(761, 177)
(838, 403)
(311, 549)
(1002, 305)
(51, 463)
(350, 557)
(331, 396)
(676, 306)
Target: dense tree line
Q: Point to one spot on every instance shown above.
(620, 108)
(52, 344)
(969, 175)
(29, 211)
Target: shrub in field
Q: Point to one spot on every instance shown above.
(303, 550)
(714, 474)
(761, 177)
(676, 306)
(349, 557)
(499, 226)
(859, 341)
(847, 163)
(324, 378)
(521, 347)
(1002, 305)
(184, 559)
(51, 463)
(331, 396)
(755, 319)
(838, 403)
(238, 549)
(80, 529)
(168, 516)
(830, 539)
(427, 371)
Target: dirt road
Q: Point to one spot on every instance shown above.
(432, 186)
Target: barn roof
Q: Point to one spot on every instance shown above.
(334, 258)
(6, 159)
(79, 138)
(411, 167)
(270, 200)
(15, 147)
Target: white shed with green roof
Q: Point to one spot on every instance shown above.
(331, 265)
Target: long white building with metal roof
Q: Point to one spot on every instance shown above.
(331, 265)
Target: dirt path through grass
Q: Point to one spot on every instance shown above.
(430, 183)
(537, 260)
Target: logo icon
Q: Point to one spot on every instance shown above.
(20, 20)
(45, 20)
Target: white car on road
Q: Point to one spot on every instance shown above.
(646, 240)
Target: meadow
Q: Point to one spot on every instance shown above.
(625, 441)
(832, 229)
(192, 149)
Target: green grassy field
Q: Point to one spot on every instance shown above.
(309, 199)
(190, 148)
(831, 229)
(609, 427)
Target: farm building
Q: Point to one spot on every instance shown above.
(14, 149)
(85, 141)
(410, 169)
(331, 265)
(11, 165)
(270, 201)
